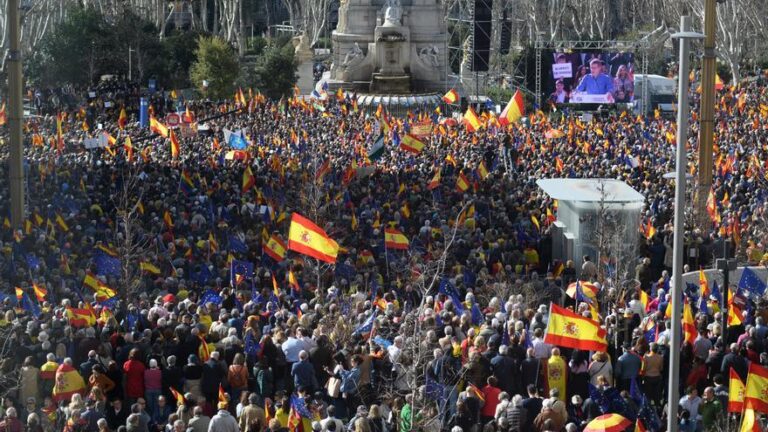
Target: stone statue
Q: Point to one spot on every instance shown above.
(428, 55)
(393, 13)
(341, 26)
(354, 56)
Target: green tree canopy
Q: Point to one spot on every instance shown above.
(275, 72)
(217, 65)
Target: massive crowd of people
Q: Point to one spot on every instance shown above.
(138, 294)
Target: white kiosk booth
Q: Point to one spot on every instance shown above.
(589, 209)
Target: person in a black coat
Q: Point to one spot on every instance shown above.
(506, 370)
(214, 375)
(734, 360)
(530, 370)
(532, 405)
(321, 357)
(116, 414)
(172, 376)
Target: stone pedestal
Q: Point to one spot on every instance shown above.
(402, 52)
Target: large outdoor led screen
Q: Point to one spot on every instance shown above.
(590, 77)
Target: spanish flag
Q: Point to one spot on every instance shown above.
(570, 330)
(756, 390)
(451, 97)
(40, 292)
(514, 110)
(292, 281)
(735, 393)
(749, 421)
(639, 426)
(167, 219)
(309, 239)
(689, 326)
(394, 239)
(3, 115)
(203, 351)
(61, 223)
(735, 315)
(150, 268)
(158, 128)
(249, 180)
(174, 145)
(462, 183)
(81, 317)
(128, 147)
(411, 144)
(177, 396)
(435, 182)
(482, 170)
(122, 119)
(67, 382)
(223, 395)
(470, 120)
(276, 248)
(703, 284)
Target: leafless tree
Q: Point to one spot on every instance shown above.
(132, 240)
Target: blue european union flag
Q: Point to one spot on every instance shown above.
(33, 262)
(300, 406)
(367, 326)
(477, 314)
(236, 141)
(243, 269)
(107, 265)
(237, 245)
(344, 270)
(378, 340)
(751, 282)
(716, 292)
(210, 296)
(449, 290)
(29, 306)
(252, 346)
(203, 276)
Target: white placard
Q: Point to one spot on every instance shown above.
(107, 104)
(91, 94)
(562, 70)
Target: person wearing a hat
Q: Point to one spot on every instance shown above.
(223, 421)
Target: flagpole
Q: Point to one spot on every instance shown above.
(684, 36)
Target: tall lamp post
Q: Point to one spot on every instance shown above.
(685, 36)
(15, 114)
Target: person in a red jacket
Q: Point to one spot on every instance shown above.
(134, 376)
(491, 394)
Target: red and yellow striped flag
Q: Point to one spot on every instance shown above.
(756, 390)
(394, 239)
(736, 390)
(570, 330)
(309, 239)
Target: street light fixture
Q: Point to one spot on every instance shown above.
(685, 36)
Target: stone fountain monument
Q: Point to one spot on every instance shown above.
(389, 47)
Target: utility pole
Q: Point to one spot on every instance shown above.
(15, 117)
(685, 36)
(707, 111)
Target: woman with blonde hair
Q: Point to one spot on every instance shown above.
(361, 425)
(376, 422)
(600, 367)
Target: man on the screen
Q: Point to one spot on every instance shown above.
(597, 82)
